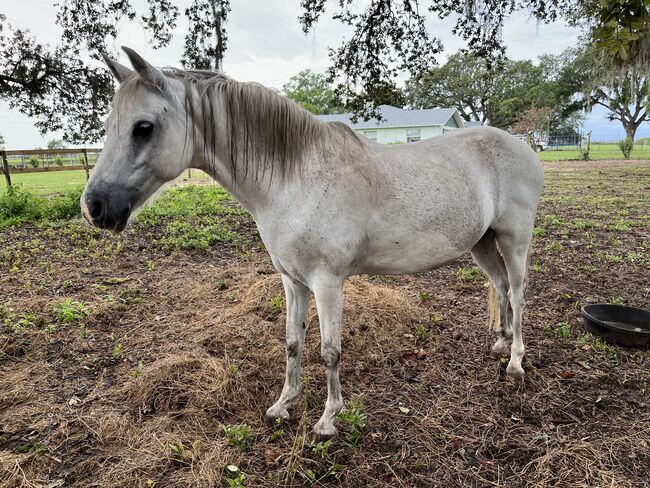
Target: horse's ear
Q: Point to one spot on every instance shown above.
(120, 71)
(148, 72)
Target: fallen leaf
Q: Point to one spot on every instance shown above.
(566, 374)
(404, 409)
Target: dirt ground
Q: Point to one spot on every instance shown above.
(141, 383)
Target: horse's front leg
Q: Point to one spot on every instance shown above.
(297, 298)
(329, 302)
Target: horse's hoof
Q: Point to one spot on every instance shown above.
(324, 436)
(500, 349)
(515, 372)
(273, 413)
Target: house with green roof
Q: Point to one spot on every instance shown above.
(399, 125)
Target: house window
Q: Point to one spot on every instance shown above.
(371, 134)
(412, 135)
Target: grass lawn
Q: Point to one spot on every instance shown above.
(50, 182)
(598, 151)
(59, 181)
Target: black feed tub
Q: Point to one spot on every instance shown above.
(626, 326)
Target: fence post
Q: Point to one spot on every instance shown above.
(5, 168)
(86, 163)
(589, 141)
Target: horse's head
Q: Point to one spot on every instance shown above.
(146, 144)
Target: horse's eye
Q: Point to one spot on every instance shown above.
(142, 129)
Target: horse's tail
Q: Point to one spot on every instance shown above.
(494, 315)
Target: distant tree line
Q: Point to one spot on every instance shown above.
(548, 96)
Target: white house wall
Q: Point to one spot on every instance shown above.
(396, 135)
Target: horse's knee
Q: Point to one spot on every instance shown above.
(517, 300)
(331, 356)
(293, 348)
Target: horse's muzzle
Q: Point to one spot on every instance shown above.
(110, 212)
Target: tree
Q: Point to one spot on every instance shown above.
(624, 91)
(312, 92)
(389, 37)
(533, 121)
(56, 86)
(498, 93)
(2, 142)
(55, 144)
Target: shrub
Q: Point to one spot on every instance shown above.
(626, 146)
(66, 205)
(34, 162)
(58, 160)
(584, 155)
(17, 205)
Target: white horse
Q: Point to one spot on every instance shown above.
(328, 203)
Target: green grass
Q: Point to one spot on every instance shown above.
(597, 151)
(49, 182)
(59, 181)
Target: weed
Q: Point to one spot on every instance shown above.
(612, 258)
(599, 345)
(425, 296)
(117, 351)
(130, 296)
(233, 369)
(616, 300)
(322, 448)
(589, 268)
(32, 448)
(186, 454)
(20, 322)
(70, 311)
(276, 304)
(137, 371)
(422, 333)
(562, 330)
(238, 436)
(355, 419)
(278, 431)
(554, 247)
(151, 484)
(538, 231)
(470, 273)
(626, 146)
(537, 267)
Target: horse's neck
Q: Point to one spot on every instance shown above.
(215, 160)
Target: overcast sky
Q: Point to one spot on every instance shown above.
(266, 45)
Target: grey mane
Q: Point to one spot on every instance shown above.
(265, 130)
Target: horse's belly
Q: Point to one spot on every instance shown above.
(410, 255)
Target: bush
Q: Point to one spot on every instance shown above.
(34, 162)
(585, 155)
(58, 160)
(19, 205)
(626, 146)
(66, 205)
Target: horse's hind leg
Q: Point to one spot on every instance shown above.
(487, 256)
(514, 244)
(328, 291)
(297, 296)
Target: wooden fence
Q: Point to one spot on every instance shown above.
(6, 169)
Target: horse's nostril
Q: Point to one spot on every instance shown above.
(95, 209)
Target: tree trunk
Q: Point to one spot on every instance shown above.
(630, 129)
